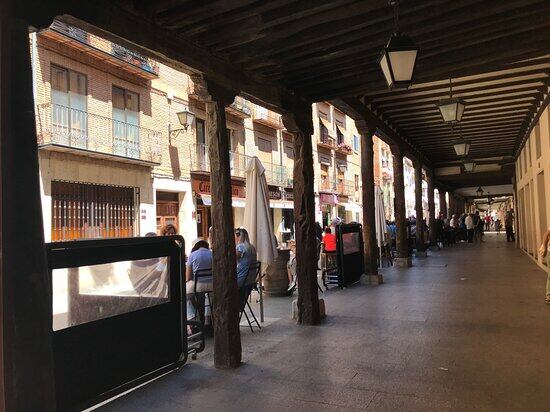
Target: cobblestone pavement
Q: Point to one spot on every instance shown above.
(464, 329)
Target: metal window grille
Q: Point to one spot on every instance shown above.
(91, 211)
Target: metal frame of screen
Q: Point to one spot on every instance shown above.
(101, 358)
(350, 266)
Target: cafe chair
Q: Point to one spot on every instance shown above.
(202, 276)
(244, 294)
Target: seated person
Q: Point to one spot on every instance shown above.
(200, 258)
(246, 255)
(329, 240)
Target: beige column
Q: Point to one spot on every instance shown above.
(403, 258)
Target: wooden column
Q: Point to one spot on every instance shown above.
(25, 300)
(451, 210)
(371, 250)
(227, 337)
(301, 125)
(420, 248)
(431, 209)
(442, 203)
(403, 259)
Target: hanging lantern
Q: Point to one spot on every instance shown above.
(398, 58)
(451, 109)
(479, 191)
(469, 165)
(462, 147)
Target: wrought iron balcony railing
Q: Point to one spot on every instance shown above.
(326, 141)
(92, 42)
(275, 175)
(64, 127)
(326, 185)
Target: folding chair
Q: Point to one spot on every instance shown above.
(244, 294)
(202, 276)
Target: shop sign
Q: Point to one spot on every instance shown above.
(202, 187)
(275, 194)
(328, 199)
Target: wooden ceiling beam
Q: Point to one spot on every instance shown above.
(489, 103)
(434, 113)
(363, 83)
(437, 119)
(337, 62)
(481, 125)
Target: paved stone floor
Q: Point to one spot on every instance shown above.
(464, 329)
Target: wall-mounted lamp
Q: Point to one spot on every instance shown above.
(186, 119)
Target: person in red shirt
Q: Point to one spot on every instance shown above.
(329, 240)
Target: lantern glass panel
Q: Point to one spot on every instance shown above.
(462, 148)
(386, 69)
(402, 63)
(469, 166)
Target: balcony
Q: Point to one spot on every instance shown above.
(101, 49)
(61, 128)
(344, 149)
(346, 188)
(327, 142)
(327, 186)
(240, 108)
(267, 117)
(275, 175)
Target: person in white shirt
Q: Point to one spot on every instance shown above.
(544, 252)
(470, 227)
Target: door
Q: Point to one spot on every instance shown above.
(167, 210)
(203, 221)
(126, 123)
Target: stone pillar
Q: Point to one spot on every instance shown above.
(403, 259)
(371, 251)
(26, 361)
(431, 209)
(300, 124)
(227, 337)
(442, 202)
(420, 247)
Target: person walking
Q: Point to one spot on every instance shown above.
(479, 232)
(509, 226)
(544, 252)
(470, 227)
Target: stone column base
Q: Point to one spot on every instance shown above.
(402, 262)
(421, 253)
(371, 279)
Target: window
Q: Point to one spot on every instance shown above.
(69, 116)
(125, 123)
(538, 148)
(356, 183)
(356, 143)
(339, 136)
(323, 132)
(89, 211)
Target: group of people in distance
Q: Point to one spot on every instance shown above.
(468, 227)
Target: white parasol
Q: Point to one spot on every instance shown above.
(257, 217)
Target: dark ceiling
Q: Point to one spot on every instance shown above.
(496, 51)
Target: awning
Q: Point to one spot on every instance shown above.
(207, 201)
(327, 124)
(353, 207)
(342, 130)
(281, 204)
